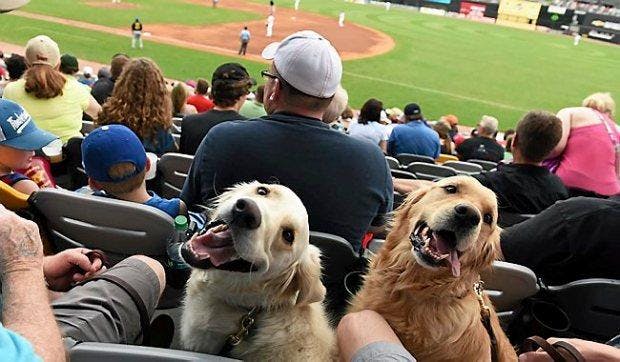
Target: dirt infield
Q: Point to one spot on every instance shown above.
(352, 41)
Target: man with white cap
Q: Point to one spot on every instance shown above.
(344, 183)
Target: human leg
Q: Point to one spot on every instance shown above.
(102, 311)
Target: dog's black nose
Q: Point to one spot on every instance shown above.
(466, 215)
(246, 214)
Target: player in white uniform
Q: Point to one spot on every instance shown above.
(341, 19)
(270, 21)
(297, 4)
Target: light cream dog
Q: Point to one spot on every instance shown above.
(256, 256)
(422, 280)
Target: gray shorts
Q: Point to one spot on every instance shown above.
(101, 311)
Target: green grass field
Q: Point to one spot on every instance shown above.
(446, 65)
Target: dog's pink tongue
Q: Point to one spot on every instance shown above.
(455, 263)
(218, 247)
(453, 259)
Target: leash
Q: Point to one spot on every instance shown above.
(485, 316)
(247, 323)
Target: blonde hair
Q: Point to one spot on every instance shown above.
(601, 102)
(337, 106)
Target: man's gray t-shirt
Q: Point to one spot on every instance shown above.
(382, 352)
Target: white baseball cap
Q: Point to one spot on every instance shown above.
(42, 50)
(308, 62)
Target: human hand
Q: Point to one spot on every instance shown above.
(20, 244)
(591, 351)
(69, 267)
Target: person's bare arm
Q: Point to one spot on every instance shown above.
(591, 351)
(565, 116)
(357, 330)
(93, 108)
(26, 186)
(383, 146)
(25, 308)
(405, 186)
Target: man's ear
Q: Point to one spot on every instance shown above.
(147, 167)
(308, 278)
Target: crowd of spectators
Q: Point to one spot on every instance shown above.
(596, 7)
(296, 129)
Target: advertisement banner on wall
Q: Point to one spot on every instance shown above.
(472, 9)
(601, 27)
(519, 8)
(555, 17)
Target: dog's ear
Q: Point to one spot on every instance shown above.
(308, 278)
(490, 252)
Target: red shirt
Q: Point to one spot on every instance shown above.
(201, 103)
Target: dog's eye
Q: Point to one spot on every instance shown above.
(288, 235)
(488, 219)
(262, 190)
(451, 189)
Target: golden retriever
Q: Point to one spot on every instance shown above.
(422, 280)
(256, 253)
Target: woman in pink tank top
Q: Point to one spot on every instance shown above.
(587, 151)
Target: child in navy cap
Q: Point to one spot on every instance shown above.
(116, 164)
(19, 138)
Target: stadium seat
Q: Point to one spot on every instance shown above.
(592, 306)
(392, 163)
(407, 158)
(87, 127)
(506, 219)
(175, 129)
(12, 199)
(444, 158)
(426, 171)
(375, 245)
(508, 284)
(464, 168)
(107, 352)
(119, 228)
(403, 174)
(177, 121)
(486, 165)
(173, 168)
(177, 139)
(337, 259)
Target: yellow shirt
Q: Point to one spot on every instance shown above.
(61, 115)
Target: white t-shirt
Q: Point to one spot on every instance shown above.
(372, 131)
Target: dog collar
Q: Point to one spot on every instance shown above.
(245, 326)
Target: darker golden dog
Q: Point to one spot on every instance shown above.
(422, 280)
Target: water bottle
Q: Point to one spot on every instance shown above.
(174, 248)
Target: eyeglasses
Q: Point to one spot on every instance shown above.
(267, 74)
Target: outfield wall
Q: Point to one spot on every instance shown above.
(597, 26)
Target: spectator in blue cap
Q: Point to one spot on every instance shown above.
(116, 164)
(19, 138)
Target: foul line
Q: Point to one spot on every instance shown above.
(436, 91)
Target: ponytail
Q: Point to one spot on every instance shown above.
(43, 81)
